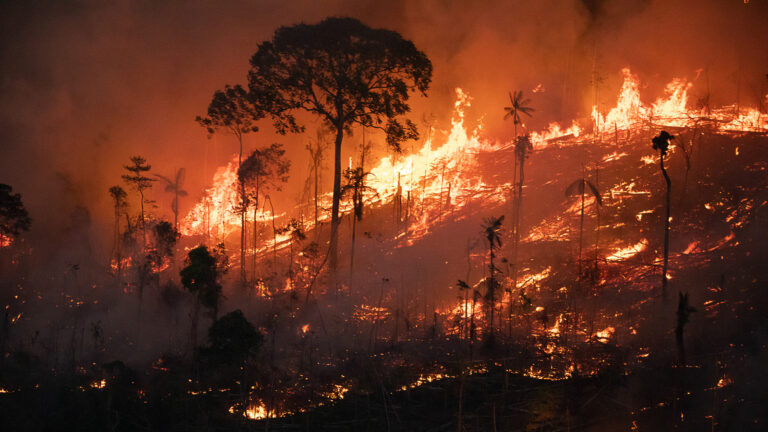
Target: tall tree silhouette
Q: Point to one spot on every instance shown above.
(580, 188)
(136, 179)
(264, 170)
(492, 232)
(523, 149)
(518, 106)
(175, 187)
(346, 73)
(661, 143)
(119, 198)
(233, 110)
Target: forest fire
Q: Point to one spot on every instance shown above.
(359, 221)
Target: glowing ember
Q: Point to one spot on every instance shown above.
(255, 412)
(370, 313)
(605, 334)
(628, 252)
(724, 381)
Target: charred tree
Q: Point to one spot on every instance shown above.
(661, 143)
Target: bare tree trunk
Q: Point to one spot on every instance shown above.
(195, 320)
(581, 227)
(333, 244)
(666, 230)
(243, 210)
(176, 207)
(274, 232)
(255, 225)
(491, 290)
(118, 251)
(143, 228)
(255, 240)
(317, 167)
(515, 263)
(352, 252)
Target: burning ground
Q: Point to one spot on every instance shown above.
(467, 295)
(383, 341)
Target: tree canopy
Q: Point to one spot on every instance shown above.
(136, 177)
(264, 169)
(343, 71)
(200, 276)
(231, 109)
(232, 338)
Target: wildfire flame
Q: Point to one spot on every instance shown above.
(442, 176)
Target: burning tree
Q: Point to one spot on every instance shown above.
(234, 110)
(661, 143)
(263, 170)
(346, 73)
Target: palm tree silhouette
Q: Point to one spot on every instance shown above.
(580, 188)
(518, 105)
(492, 232)
(175, 187)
